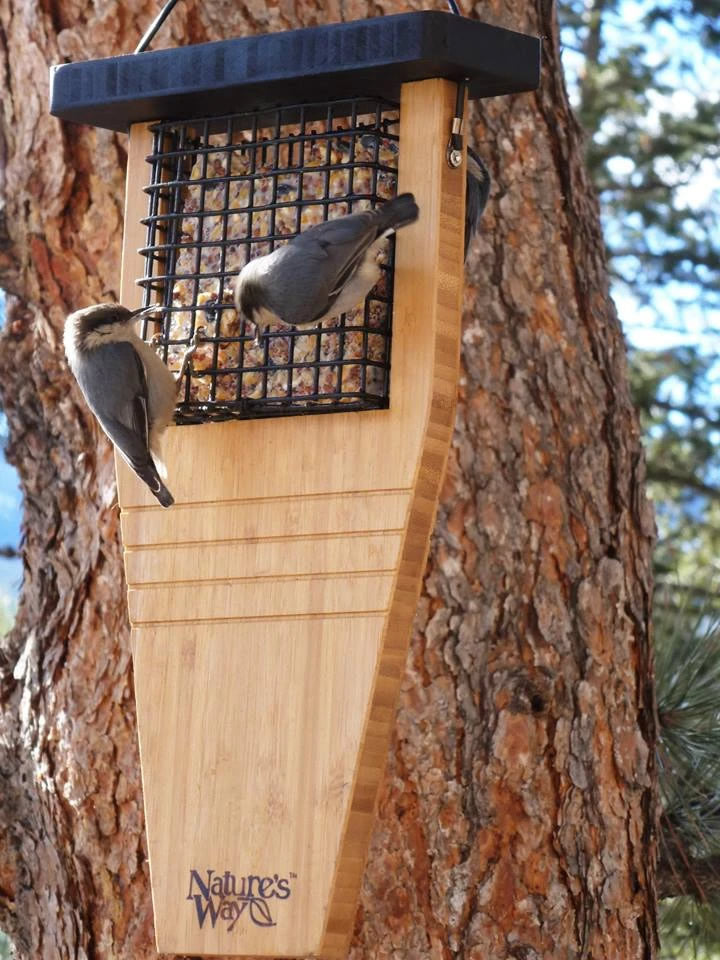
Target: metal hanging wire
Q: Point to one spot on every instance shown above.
(159, 20)
(167, 8)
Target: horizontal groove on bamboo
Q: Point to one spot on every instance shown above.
(330, 512)
(271, 608)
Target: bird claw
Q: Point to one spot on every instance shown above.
(194, 341)
(189, 354)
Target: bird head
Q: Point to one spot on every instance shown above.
(250, 300)
(90, 324)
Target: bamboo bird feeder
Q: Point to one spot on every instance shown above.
(271, 607)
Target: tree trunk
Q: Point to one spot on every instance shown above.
(518, 814)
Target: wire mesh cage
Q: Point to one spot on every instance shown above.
(225, 190)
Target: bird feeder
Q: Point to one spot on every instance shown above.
(271, 607)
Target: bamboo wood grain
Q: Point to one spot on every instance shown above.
(132, 267)
(257, 770)
(361, 511)
(272, 606)
(277, 557)
(243, 599)
(427, 290)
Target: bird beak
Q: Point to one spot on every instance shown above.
(147, 312)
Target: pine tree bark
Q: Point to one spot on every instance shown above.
(518, 815)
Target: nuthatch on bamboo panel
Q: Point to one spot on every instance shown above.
(323, 272)
(477, 191)
(126, 385)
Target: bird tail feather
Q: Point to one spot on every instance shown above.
(148, 474)
(164, 496)
(397, 213)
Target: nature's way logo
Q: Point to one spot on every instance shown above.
(225, 897)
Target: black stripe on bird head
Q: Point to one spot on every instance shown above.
(252, 298)
(100, 315)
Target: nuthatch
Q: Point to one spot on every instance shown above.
(477, 191)
(323, 272)
(126, 385)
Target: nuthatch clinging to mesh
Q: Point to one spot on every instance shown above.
(323, 272)
(126, 385)
(477, 191)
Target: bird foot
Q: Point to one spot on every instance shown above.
(189, 354)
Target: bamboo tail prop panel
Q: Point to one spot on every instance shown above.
(271, 607)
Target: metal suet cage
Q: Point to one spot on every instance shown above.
(271, 607)
(223, 190)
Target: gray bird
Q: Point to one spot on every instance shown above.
(126, 385)
(323, 272)
(477, 191)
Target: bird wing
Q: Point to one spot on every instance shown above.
(120, 403)
(310, 272)
(477, 192)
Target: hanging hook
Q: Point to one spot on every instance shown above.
(455, 145)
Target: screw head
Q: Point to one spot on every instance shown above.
(454, 158)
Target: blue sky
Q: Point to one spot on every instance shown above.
(675, 315)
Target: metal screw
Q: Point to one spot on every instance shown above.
(454, 158)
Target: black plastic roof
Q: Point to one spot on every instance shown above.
(363, 57)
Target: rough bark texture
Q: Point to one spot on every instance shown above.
(517, 820)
